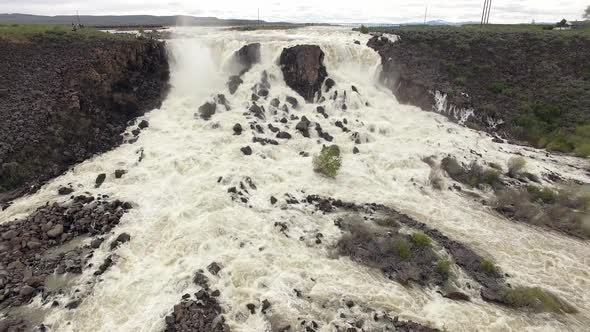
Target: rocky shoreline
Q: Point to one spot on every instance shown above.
(63, 101)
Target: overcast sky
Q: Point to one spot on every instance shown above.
(329, 11)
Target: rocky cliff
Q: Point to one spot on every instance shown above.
(64, 100)
(530, 87)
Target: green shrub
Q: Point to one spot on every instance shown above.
(402, 249)
(516, 165)
(535, 299)
(420, 239)
(491, 177)
(363, 29)
(443, 267)
(488, 267)
(543, 195)
(328, 162)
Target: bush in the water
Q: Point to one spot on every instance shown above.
(364, 29)
(515, 166)
(535, 299)
(488, 267)
(443, 267)
(328, 162)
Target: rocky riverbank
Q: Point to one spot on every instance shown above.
(62, 100)
(529, 87)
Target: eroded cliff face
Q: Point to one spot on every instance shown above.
(62, 101)
(524, 86)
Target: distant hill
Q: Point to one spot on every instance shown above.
(126, 20)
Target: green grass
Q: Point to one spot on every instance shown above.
(402, 249)
(23, 32)
(535, 299)
(328, 162)
(421, 239)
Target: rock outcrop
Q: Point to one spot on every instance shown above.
(247, 56)
(63, 101)
(303, 69)
(523, 85)
(243, 60)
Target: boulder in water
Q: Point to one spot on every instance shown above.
(303, 69)
(207, 110)
(258, 111)
(234, 83)
(303, 126)
(293, 101)
(247, 56)
(100, 179)
(329, 84)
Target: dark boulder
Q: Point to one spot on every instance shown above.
(246, 150)
(303, 69)
(247, 56)
(119, 173)
(258, 111)
(99, 180)
(263, 93)
(221, 100)
(214, 268)
(65, 191)
(457, 296)
(143, 124)
(293, 101)
(122, 238)
(237, 129)
(284, 135)
(303, 126)
(207, 110)
(234, 83)
(329, 84)
(275, 102)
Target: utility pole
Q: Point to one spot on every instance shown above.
(78, 16)
(425, 14)
(489, 10)
(258, 16)
(483, 13)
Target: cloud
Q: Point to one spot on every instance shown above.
(329, 11)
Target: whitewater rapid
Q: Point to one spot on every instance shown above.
(184, 219)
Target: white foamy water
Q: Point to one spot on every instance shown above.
(185, 219)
